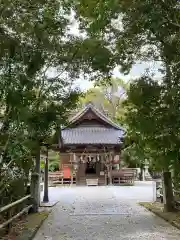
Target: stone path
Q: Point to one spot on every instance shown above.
(102, 213)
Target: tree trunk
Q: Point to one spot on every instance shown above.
(35, 183)
(35, 191)
(38, 160)
(168, 197)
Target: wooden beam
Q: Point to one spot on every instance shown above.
(25, 210)
(5, 208)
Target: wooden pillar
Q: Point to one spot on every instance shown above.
(110, 174)
(110, 169)
(76, 168)
(98, 166)
(72, 170)
(104, 163)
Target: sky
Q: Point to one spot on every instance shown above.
(137, 70)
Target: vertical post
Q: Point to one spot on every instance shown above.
(143, 175)
(110, 175)
(35, 191)
(105, 158)
(71, 170)
(110, 169)
(104, 168)
(71, 177)
(168, 197)
(154, 191)
(46, 171)
(76, 167)
(35, 181)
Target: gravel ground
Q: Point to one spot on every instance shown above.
(101, 213)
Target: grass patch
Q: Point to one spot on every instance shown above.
(26, 227)
(157, 208)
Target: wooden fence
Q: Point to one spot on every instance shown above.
(124, 176)
(58, 178)
(14, 210)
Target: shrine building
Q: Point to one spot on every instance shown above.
(90, 147)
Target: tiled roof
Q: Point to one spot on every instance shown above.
(98, 113)
(92, 135)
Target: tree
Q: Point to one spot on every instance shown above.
(114, 91)
(138, 30)
(40, 59)
(149, 125)
(145, 30)
(108, 96)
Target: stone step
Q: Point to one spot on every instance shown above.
(92, 182)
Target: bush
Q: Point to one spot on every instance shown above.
(54, 166)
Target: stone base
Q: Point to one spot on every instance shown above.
(148, 178)
(48, 204)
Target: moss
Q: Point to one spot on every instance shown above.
(157, 208)
(26, 228)
(34, 219)
(33, 223)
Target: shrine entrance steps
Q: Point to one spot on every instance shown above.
(92, 180)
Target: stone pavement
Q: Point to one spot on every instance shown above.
(102, 213)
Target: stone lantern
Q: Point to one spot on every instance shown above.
(147, 175)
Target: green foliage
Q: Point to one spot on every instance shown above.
(54, 161)
(108, 96)
(135, 30)
(42, 164)
(145, 30)
(54, 165)
(40, 60)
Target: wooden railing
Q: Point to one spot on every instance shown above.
(11, 214)
(58, 178)
(125, 175)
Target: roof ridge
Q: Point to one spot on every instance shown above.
(97, 112)
(108, 119)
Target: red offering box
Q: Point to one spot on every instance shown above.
(66, 172)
